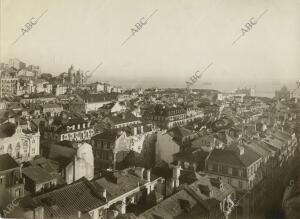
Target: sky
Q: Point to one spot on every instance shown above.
(180, 38)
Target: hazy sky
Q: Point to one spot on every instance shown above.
(183, 36)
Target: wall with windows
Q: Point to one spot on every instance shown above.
(21, 146)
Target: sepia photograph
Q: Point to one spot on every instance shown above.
(138, 109)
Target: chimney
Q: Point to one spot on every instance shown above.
(142, 173)
(39, 212)
(50, 121)
(134, 131)
(123, 116)
(79, 214)
(142, 129)
(74, 169)
(176, 175)
(28, 125)
(104, 193)
(241, 150)
(172, 184)
(148, 175)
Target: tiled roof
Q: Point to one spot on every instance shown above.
(7, 162)
(51, 105)
(120, 182)
(61, 154)
(7, 130)
(65, 202)
(37, 174)
(123, 118)
(180, 132)
(212, 184)
(258, 149)
(108, 135)
(191, 155)
(93, 98)
(43, 163)
(179, 205)
(233, 158)
(274, 142)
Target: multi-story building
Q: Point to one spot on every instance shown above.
(38, 180)
(167, 117)
(51, 109)
(106, 196)
(33, 98)
(76, 77)
(60, 89)
(43, 86)
(11, 177)
(9, 86)
(74, 160)
(240, 167)
(64, 128)
(283, 93)
(121, 120)
(108, 147)
(17, 64)
(90, 102)
(34, 68)
(113, 107)
(21, 144)
(249, 92)
(194, 195)
(165, 147)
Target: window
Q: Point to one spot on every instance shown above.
(210, 167)
(240, 184)
(1, 179)
(9, 149)
(18, 193)
(229, 170)
(229, 181)
(240, 173)
(100, 214)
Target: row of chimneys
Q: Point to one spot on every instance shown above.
(78, 126)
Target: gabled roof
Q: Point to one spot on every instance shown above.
(67, 201)
(179, 205)
(63, 154)
(7, 130)
(274, 142)
(37, 174)
(119, 183)
(191, 155)
(108, 135)
(180, 131)
(258, 149)
(51, 105)
(233, 158)
(7, 162)
(94, 98)
(123, 118)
